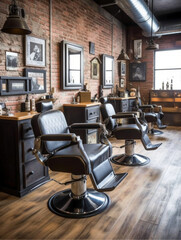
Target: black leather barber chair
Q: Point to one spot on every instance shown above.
(43, 106)
(63, 151)
(153, 115)
(129, 131)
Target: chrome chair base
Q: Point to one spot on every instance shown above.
(66, 205)
(155, 132)
(133, 160)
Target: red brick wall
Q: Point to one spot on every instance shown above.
(78, 21)
(165, 42)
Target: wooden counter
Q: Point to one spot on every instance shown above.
(121, 98)
(19, 116)
(84, 104)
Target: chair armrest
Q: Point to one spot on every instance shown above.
(59, 137)
(124, 115)
(53, 137)
(86, 125)
(146, 106)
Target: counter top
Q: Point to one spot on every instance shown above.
(84, 104)
(120, 98)
(19, 116)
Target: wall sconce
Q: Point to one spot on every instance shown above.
(15, 23)
(123, 56)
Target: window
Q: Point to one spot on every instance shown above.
(168, 70)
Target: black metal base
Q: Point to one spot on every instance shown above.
(155, 132)
(134, 160)
(92, 203)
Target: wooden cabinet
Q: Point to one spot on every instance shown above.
(170, 100)
(20, 172)
(122, 104)
(83, 113)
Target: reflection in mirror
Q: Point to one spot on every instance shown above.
(71, 66)
(107, 71)
(74, 67)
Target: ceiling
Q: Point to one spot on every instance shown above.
(163, 10)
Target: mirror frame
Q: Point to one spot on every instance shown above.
(103, 70)
(65, 46)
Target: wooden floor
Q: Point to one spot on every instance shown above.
(146, 205)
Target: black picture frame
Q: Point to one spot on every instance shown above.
(72, 66)
(92, 48)
(107, 71)
(10, 86)
(35, 49)
(137, 72)
(38, 76)
(11, 61)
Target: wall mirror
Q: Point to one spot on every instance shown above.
(72, 72)
(107, 71)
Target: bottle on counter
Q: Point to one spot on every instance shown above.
(27, 104)
(171, 84)
(162, 85)
(32, 103)
(167, 86)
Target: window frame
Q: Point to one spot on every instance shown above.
(170, 49)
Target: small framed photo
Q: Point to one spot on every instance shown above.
(137, 72)
(38, 82)
(11, 61)
(35, 52)
(122, 68)
(121, 82)
(138, 48)
(95, 68)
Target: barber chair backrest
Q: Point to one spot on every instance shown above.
(107, 110)
(49, 123)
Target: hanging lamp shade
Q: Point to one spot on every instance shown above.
(15, 23)
(123, 56)
(151, 43)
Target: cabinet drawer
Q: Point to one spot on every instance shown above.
(33, 172)
(95, 120)
(92, 112)
(27, 146)
(26, 130)
(124, 105)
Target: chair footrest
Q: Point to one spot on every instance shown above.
(162, 126)
(113, 182)
(151, 146)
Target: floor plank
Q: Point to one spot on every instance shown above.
(146, 205)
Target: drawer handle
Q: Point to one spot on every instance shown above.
(30, 149)
(28, 129)
(30, 173)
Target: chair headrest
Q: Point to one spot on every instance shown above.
(103, 100)
(44, 106)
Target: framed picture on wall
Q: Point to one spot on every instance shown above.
(95, 68)
(137, 72)
(121, 82)
(122, 68)
(38, 82)
(138, 48)
(35, 52)
(11, 61)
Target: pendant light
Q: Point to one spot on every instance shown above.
(123, 56)
(151, 43)
(15, 23)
